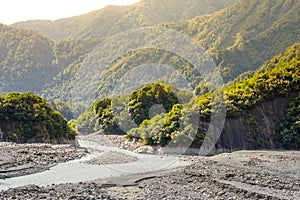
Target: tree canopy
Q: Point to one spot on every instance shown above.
(25, 117)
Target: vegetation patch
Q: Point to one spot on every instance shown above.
(25, 117)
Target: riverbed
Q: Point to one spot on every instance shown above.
(111, 172)
(83, 170)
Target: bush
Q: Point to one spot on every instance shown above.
(26, 117)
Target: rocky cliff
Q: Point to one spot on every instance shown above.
(257, 129)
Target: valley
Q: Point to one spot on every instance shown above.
(161, 99)
(238, 175)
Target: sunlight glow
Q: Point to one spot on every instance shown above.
(12, 11)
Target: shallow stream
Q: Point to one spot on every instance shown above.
(80, 171)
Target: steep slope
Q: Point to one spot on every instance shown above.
(245, 35)
(25, 60)
(145, 57)
(239, 38)
(30, 61)
(69, 56)
(115, 19)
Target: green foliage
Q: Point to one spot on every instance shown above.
(159, 130)
(240, 37)
(72, 125)
(63, 108)
(142, 100)
(68, 58)
(243, 36)
(139, 105)
(104, 114)
(26, 117)
(150, 130)
(127, 63)
(278, 80)
(288, 132)
(87, 122)
(251, 121)
(31, 62)
(25, 60)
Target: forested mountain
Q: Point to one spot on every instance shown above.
(262, 110)
(239, 38)
(245, 35)
(25, 60)
(30, 61)
(115, 19)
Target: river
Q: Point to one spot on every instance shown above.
(80, 171)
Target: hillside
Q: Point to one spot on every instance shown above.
(258, 109)
(25, 60)
(243, 36)
(238, 38)
(69, 27)
(115, 19)
(30, 61)
(25, 117)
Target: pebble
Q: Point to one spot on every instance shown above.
(203, 179)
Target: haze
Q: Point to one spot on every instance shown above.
(19, 10)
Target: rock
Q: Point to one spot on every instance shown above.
(229, 175)
(221, 193)
(145, 150)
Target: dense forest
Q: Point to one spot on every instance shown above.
(25, 117)
(278, 77)
(30, 61)
(104, 115)
(252, 31)
(236, 38)
(232, 54)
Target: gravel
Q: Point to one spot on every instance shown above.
(23, 159)
(112, 158)
(206, 178)
(239, 175)
(113, 141)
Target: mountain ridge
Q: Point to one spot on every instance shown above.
(111, 20)
(230, 39)
(239, 31)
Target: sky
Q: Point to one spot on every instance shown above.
(12, 11)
